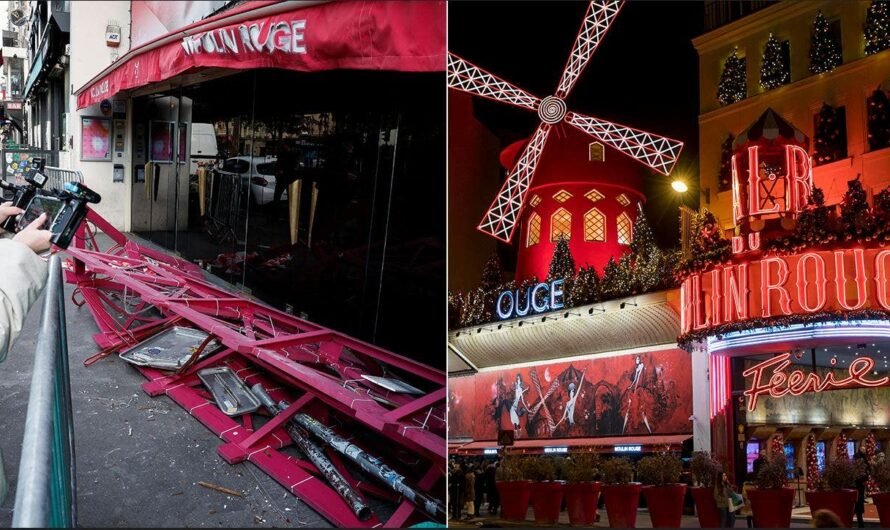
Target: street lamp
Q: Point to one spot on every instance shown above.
(679, 186)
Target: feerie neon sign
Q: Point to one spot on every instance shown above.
(841, 280)
(770, 378)
(538, 299)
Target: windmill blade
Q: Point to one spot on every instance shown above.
(655, 151)
(597, 21)
(468, 77)
(502, 216)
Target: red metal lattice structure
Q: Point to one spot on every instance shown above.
(134, 292)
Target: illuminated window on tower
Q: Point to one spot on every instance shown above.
(536, 200)
(560, 224)
(625, 229)
(562, 196)
(534, 230)
(594, 225)
(622, 200)
(594, 195)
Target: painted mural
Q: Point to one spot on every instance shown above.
(646, 393)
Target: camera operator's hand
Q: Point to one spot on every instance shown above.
(7, 210)
(34, 237)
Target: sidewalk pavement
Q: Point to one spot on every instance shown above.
(139, 459)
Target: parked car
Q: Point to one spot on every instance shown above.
(259, 171)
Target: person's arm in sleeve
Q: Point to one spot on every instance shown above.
(22, 278)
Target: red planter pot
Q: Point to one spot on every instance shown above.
(842, 503)
(665, 504)
(882, 503)
(771, 508)
(515, 496)
(706, 507)
(622, 501)
(546, 501)
(581, 501)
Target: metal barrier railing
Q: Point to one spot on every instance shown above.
(226, 192)
(57, 177)
(46, 490)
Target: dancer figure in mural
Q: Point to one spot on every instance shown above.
(568, 414)
(518, 397)
(636, 395)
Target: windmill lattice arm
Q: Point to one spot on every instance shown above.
(503, 214)
(468, 77)
(599, 17)
(655, 151)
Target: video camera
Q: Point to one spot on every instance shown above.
(65, 209)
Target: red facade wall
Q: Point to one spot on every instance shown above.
(608, 402)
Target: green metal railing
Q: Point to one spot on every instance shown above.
(46, 490)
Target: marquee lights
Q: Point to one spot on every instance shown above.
(779, 286)
(769, 378)
(799, 332)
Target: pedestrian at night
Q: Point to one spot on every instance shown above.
(722, 492)
(861, 460)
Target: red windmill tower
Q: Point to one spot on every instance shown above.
(503, 216)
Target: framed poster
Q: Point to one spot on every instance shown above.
(160, 141)
(95, 138)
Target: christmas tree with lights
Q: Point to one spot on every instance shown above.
(856, 219)
(562, 266)
(733, 84)
(586, 288)
(814, 222)
(840, 447)
(725, 180)
(812, 463)
(877, 27)
(825, 50)
(645, 256)
(492, 274)
(878, 120)
(829, 136)
(870, 447)
(774, 70)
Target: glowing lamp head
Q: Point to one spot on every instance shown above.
(679, 186)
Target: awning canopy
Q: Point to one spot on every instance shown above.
(299, 36)
(605, 444)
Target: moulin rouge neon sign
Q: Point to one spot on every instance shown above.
(838, 280)
(770, 378)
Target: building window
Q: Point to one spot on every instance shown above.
(594, 225)
(594, 195)
(622, 200)
(878, 105)
(830, 143)
(562, 196)
(534, 230)
(625, 229)
(536, 200)
(560, 225)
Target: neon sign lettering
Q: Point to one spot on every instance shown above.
(286, 37)
(764, 192)
(541, 298)
(842, 280)
(770, 378)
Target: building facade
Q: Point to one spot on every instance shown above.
(786, 317)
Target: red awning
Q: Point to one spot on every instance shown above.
(300, 36)
(603, 444)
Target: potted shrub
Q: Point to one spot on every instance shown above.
(705, 468)
(513, 488)
(771, 501)
(582, 490)
(837, 490)
(546, 491)
(880, 472)
(660, 475)
(621, 495)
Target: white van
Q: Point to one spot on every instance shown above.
(204, 147)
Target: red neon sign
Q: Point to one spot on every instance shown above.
(769, 377)
(841, 280)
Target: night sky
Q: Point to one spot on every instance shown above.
(644, 74)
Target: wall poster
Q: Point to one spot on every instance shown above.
(95, 138)
(160, 137)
